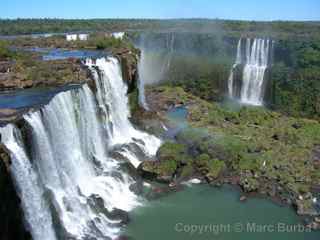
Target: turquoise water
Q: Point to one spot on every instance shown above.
(59, 54)
(49, 54)
(178, 117)
(30, 97)
(206, 213)
(177, 121)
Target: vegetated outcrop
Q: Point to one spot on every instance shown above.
(259, 150)
(11, 221)
(20, 69)
(22, 75)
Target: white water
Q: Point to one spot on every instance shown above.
(70, 168)
(118, 35)
(142, 76)
(113, 101)
(170, 47)
(255, 63)
(231, 77)
(36, 210)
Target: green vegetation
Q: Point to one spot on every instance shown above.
(204, 77)
(296, 78)
(171, 156)
(254, 143)
(104, 43)
(276, 29)
(5, 53)
(211, 168)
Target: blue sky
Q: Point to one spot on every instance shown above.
(223, 9)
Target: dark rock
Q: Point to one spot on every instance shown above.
(137, 188)
(158, 192)
(97, 204)
(119, 215)
(314, 225)
(306, 207)
(146, 173)
(276, 137)
(296, 125)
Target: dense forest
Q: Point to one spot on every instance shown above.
(278, 29)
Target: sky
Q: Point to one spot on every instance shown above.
(259, 10)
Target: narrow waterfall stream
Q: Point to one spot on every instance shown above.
(255, 61)
(68, 181)
(142, 76)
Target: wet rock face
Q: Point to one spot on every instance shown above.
(11, 223)
(129, 66)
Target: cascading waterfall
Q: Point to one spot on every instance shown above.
(255, 61)
(113, 101)
(70, 184)
(36, 210)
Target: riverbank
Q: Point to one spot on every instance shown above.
(261, 151)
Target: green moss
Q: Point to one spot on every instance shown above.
(249, 183)
(249, 162)
(172, 151)
(170, 157)
(4, 50)
(215, 168)
(166, 168)
(186, 171)
(160, 168)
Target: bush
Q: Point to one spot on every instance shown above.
(107, 42)
(5, 53)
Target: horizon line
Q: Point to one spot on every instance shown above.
(154, 19)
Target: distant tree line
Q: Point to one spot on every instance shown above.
(276, 29)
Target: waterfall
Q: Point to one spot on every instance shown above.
(238, 61)
(170, 41)
(153, 69)
(142, 76)
(36, 210)
(68, 181)
(255, 63)
(113, 101)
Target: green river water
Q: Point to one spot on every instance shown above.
(202, 212)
